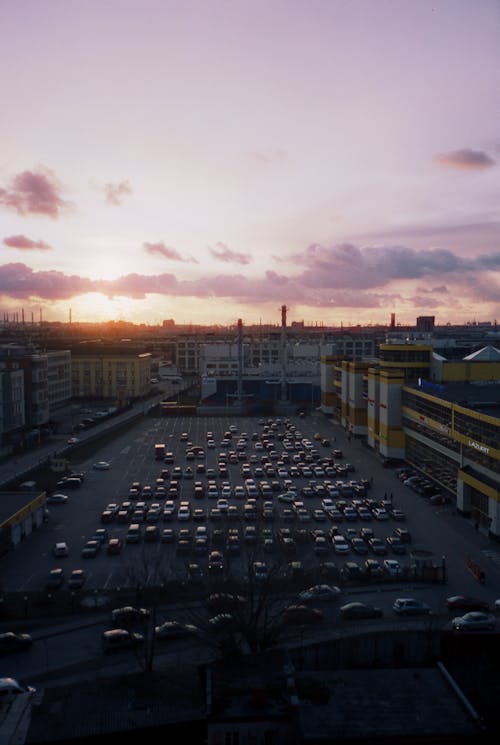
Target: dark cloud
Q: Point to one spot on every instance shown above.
(348, 266)
(115, 193)
(34, 192)
(222, 253)
(466, 160)
(22, 242)
(168, 253)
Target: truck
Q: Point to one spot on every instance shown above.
(160, 450)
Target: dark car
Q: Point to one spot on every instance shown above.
(411, 607)
(403, 534)
(55, 579)
(76, 579)
(128, 616)
(225, 601)
(299, 615)
(114, 546)
(222, 623)
(13, 642)
(360, 610)
(396, 544)
(463, 602)
(117, 639)
(351, 570)
(175, 630)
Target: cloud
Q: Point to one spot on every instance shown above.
(22, 242)
(349, 266)
(168, 253)
(34, 192)
(114, 193)
(343, 275)
(466, 160)
(19, 281)
(223, 253)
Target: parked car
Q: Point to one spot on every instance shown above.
(101, 465)
(55, 579)
(114, 546)
(11, 641)
(77, 579)
(128, 616)
(392, 567)
(224, 601)
(10, 688)
(57, 498)
(299, 615)
(411, 607)
(116, 639)
(466, 603)
(357, 610)
(320, 593)
(90, 549)
(175, 630)
(474, 621)
(60, 549)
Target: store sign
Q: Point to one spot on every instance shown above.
(477, 446)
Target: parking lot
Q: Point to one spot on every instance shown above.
(187, 498)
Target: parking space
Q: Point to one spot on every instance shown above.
(217, 497)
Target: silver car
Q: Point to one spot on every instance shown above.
(474, 621)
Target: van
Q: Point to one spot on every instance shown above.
(133, 533)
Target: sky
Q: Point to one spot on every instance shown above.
(210, 160)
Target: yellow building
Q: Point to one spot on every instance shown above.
(110, 374)
(453, 436)
(441, 416)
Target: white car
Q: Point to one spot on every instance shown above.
(60, 549)
(184, 513)
(101, 465)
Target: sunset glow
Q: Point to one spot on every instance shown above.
(208, 161)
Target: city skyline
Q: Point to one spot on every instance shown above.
(213, 161)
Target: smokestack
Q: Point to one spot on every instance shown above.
(283, 316)
(393, 320)
(70, 315)
(240, 360)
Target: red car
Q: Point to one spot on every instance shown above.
(463, 602)
(114, 546)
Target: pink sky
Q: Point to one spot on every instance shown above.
(213, 160)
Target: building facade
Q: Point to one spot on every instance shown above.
(110, 374)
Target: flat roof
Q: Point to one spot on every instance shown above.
(483, 397)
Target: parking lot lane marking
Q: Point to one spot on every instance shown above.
(125, 450)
